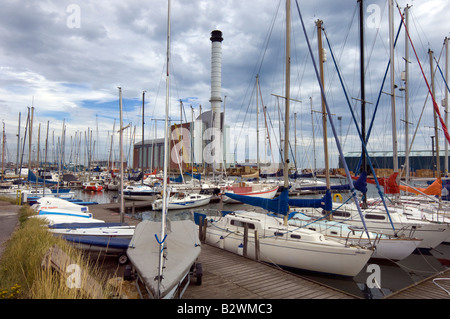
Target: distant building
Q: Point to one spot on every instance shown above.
(384, 159)
(188, 136)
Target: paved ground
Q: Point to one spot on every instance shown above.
(9, 218)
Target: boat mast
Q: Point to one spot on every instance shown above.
(18, 146)
(122, 204)
(406, 80)
(363, 94)
(324, 111)
(446, 104)
(391, 51)
(142, 167)
(436, 129)
(166, 153)
(287, 94)
(257, 123)
(3, 152)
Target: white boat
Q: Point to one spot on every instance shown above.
(423, 208)
(386, 247)
(183, 201)
(181, 250)
(46, 203)
(120, 230)
(106, 245)
(249, 189)
(285, 245)
(112, 185)
(396, 223)
(92, 186)
(51, 219)
(141, 192)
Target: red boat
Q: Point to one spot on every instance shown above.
(92, 186)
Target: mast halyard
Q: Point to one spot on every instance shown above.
(363, 95)
(287, 98)
(166, 154)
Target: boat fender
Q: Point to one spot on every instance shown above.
(335, 196)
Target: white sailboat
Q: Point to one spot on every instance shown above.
(285, 245)
(116, 230)
(394, 223)
(141, 192)
(280, 243)
(262, 190)
(183, 201)
(160, 275)
(386, 246)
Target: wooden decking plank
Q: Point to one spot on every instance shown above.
(231, 276)
(425, 289)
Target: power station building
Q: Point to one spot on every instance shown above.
(184, 138)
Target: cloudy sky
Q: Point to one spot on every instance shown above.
(67, 58)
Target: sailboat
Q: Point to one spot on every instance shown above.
(403, 218)
(181, 200)
(264, 190)
(386, 246)
(277, 241)
(163, 263)
(141, 192)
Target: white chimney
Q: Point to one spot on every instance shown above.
(216, 76)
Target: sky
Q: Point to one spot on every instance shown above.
(68, 58)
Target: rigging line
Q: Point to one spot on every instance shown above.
(269, 35)
(273, 129)
(352, 188)
(369, 131)
(435, 106)
(364, 144)
(443, 77)
(245, 116)
(265, 122)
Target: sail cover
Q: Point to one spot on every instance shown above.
(280, 204)
(182, 248)
(33, 178)
(277, 205)
(325, 202)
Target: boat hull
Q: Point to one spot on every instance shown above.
(182, 204)
(344, 261)
(268, 194)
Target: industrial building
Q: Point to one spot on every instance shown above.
(150, 154)
(418, 160)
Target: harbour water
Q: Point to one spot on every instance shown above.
(378, 279)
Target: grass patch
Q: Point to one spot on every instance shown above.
(21, 273)
(8, 199)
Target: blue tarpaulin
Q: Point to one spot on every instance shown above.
(277, 205)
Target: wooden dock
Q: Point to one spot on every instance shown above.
(230, 276)
(110, 212)
(434, 287)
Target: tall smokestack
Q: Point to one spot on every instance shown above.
(216, 76)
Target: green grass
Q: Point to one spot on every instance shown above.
(21, 273)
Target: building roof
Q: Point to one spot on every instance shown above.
(149, 142)
(390, 153)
